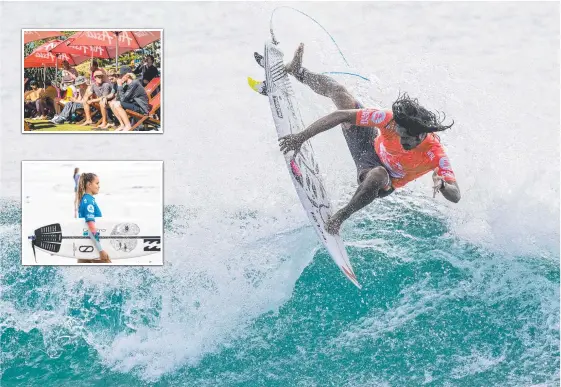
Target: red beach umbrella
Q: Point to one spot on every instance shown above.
(30, 36)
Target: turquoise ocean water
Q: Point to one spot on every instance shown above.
(453, 295)
(435, 310)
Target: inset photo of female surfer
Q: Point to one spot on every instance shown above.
(111, 212)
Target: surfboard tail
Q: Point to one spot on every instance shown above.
(48, 238)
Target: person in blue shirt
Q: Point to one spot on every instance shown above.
(76, 178)
(88, 186)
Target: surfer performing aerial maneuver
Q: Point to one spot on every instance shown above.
(389, 147)
(404, 149)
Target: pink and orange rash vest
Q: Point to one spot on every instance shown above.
(404, 166)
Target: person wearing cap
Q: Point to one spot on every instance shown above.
(76, 102)
(134, 98)
(390, 147)
(101, 89)
(94, 66)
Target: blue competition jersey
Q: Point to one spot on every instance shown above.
(88, 208)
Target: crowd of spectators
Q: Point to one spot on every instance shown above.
(79, 99)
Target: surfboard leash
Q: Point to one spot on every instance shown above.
(276, 42)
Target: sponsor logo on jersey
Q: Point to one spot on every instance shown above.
(395, 169)
(379, 117)
(444, 163)
(90, 208)
(431, 155)
(365, 117)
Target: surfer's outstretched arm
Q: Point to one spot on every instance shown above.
(319, 83)
(295, 141)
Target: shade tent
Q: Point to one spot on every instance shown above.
(120, 40)
(30, 36)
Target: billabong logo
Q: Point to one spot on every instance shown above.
(277, 106)
(152, 244)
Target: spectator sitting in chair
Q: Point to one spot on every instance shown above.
(101, 89)
(46, 101)
(113, 75)
(147, 69)
(134, 98)
(75, 103)
(95, 67)
(113, 96)
(71, 92)
(31, 98)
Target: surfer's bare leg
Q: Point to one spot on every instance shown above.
(375, 180)
(319, 83)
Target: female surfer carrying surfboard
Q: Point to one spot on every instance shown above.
(88, 186)
(403, 149)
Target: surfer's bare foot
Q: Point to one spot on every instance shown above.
(333, 224)
(296, 64)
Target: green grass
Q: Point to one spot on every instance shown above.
(46, 126)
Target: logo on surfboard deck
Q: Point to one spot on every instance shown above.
(152, 244)
(277, 106)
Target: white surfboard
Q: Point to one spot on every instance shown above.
(303, 169)
(120, 239)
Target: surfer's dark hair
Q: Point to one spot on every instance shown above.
(85, 178)
(416, 119)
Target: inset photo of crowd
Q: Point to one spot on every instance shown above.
(99, 81)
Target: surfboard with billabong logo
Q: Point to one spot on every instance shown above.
(120, 239)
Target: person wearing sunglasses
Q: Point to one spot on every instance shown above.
(101, 89)
(133, 98)
(94, 66)
(390, 147)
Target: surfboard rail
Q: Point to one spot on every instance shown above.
(303, 167)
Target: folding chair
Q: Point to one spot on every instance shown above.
(148, 119)
(151, 87)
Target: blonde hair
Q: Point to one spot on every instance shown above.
(85, 178)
